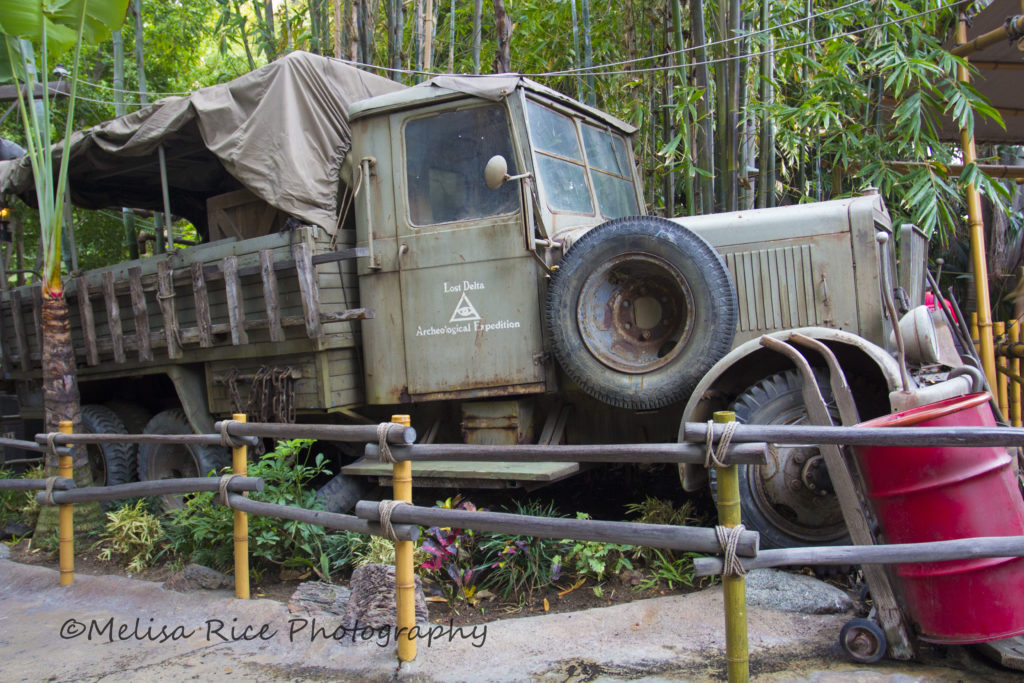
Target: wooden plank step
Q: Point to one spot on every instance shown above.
(1008, 652)
(484, 469)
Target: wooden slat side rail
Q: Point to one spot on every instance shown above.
(113, 317)
(202, 306)
(165, 297)
(233, 293)
(19, 331)
(141, 314)
(270, 295)
(37, 315)
(310, 291)
(92, 354)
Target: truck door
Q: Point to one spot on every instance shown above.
(470, 289)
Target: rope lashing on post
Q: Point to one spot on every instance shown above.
(226, 439)
(384, 448)
(223, 488)
(49, 490)
(51, 447)
(729, 538)
(711, 457)
(385, 508)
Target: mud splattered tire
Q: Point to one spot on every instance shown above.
(785, 500)
(110, 463)
(176, 460)
(639, 310)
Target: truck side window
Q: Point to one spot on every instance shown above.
(559, 160)
(445, 155)
(611, 172)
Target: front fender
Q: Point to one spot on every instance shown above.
(874, 371)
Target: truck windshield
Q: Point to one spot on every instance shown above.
(571, 175)
(445, 155)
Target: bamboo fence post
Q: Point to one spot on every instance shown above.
(974, 332)
(240, 465)
(734, 588)
(1002, 381)
(1015, 388)
(405, 580)
(66, 519)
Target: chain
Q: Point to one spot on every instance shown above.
(230, 379)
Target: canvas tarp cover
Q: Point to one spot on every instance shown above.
(280, 131)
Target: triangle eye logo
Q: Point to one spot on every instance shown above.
(464, 311)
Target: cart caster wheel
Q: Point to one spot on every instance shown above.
(863, 640)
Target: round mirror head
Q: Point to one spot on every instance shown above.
(495, 172)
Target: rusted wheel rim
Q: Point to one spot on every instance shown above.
(173, 461)
(782, 494)
(97, 464)
(634, 312)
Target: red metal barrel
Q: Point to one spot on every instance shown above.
(939, 493)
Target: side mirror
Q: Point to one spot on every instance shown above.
(495, 172)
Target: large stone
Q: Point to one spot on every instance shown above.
(372, 602)
(5, 552)
(787, 592)
(197, 577)
(317, 597)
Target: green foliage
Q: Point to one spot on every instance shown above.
(665, 567)
(133, 532)
(596, 560)
(520, 565)
(19, 506)
(202, 530)
(659, 511)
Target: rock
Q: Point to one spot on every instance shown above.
(15, 530)
(5, 552)
(372, 602)
(313, 597)
(197, 577)
(787, 592)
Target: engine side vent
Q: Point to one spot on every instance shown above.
(775, 288)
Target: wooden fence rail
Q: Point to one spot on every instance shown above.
(145, 489)
(59, 484)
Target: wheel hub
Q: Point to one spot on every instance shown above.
(634, 312)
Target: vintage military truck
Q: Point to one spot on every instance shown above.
(477, 256)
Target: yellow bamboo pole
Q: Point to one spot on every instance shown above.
(405, 580)
(1003, 382)
(66, 518)
(734, 588)
(1015, 388)
(977, 235)
(240, 465)
(974, 331)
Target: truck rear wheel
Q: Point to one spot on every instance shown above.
(789, 501)
(109, 463)
(177, 460)
(639, 310)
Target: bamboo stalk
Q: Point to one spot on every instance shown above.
(932, 551)
(66, 523)
(1002, 382)
(1015, 386)
(405, 579)
(741, 454)
(670, 537)
(240, 465)
(734, 587)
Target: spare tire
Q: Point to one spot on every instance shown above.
(639, 310)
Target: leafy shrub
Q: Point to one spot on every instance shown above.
(451, 556)
(657, 511)
(19, 506)
(134, 532)
(594, 559)
(520, 565)
(203, 529)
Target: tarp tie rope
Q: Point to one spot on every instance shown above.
(223, 488)
(718, 458)
(1012, 34)
(48, 490)
(729, 539)
(385, 508)
(383, 447)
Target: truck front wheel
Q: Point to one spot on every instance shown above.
(109, 463)
(638, 310)
(790, 499)
(177, 460)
